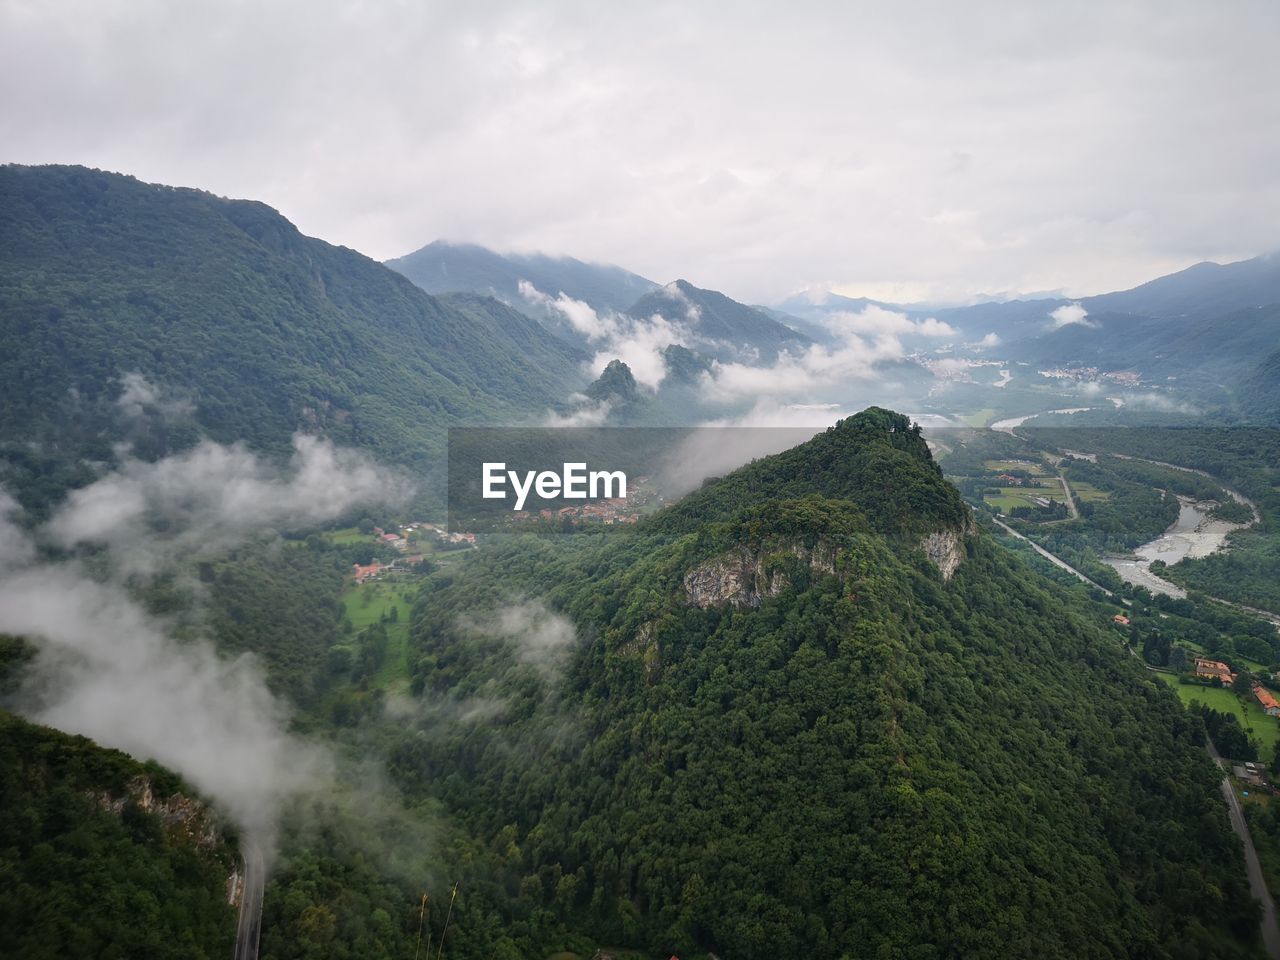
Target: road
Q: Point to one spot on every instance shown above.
(1071, 501)
(250, 923)
(1056, 561)
(1257, 882)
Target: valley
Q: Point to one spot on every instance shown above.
(922, 685)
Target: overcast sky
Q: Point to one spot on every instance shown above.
(927, 151)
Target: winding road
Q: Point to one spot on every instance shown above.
(249, 924)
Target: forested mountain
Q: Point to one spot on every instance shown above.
(247, 330)
(720, 327)
(102, 856)
(811, 712)
(444, 267)
(1202, 291)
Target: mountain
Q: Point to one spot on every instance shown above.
(240, 327)
(1201, 291)
(717, 326)
(444, 267)
(105, 856)
(616, 383)
(812, 711)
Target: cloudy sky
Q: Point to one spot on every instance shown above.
(904, 151)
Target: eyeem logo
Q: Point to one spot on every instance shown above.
(573, 482)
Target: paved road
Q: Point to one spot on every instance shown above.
(1071, 501)
(1055, 560)
(250, 923)
(1257, 883)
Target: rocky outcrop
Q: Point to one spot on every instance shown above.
(180, 816)
(945, 548)
(742, 577)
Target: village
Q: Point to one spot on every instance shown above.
(406, 541)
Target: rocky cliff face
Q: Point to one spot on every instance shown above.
(742, 577)
(945, 549)
(181, 816)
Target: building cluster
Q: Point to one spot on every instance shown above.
(1214, 670)
(1124, 378)
(373, 571)
(400, 539)
(617, 510)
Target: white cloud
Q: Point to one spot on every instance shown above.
(637, 342)
(211, 496)
(581, 316)
(879, 322)
(107, 669)
(803, 375)
(138, 395)
(588, 415)
(640, 345)
(1068, 314)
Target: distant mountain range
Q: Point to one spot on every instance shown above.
(444, 267)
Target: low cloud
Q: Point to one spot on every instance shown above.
(988, 342)
(809, 373)
(1156, 401)
(637, 342)
(580, 316)
(692, 312)
(212, 496)
(877, 321)
(641, 345)
(588, 415)
(107, 669)
(538, 636)
(139, 396)
(1068, 314)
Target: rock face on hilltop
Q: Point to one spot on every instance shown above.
(945, 548)
(742, 577)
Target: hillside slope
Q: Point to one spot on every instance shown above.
(248, 329)
(104, 856)
(812, 712)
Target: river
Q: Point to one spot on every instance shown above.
(1193, 535)
(1006, 426)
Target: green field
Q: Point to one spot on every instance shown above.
(1011, 497)
(1005, 466)
(1265, 729)
(1088, 493)
(348, 535)
(365, 606)
(980, 418)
